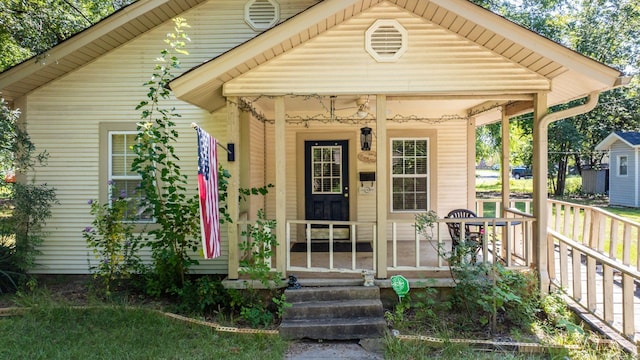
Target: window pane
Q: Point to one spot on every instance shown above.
(327, 169)
(409, 174)
(397, 166)
(623, 165)
(138, 209)
(397, 202)
(421, 166)
(410, 166)
(326, 155)
(396, 148)
(409, 148)
(421, 148)
(118, 165)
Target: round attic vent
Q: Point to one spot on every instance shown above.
(386, 40)
(261, 14)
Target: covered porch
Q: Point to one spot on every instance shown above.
(506, 240)
(419, 76)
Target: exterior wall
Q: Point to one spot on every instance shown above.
(436, 59)
(64, 118)
(448, 160)
(623, 190)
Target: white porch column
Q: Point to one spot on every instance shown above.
(281, 186)
(471, 163)
(504, 162)
(382, 187)
(540, 149)
(233, 136)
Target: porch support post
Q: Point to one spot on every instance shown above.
(471, 164)
(233, 136)
(540, 211)
(382, 187)
(281, 186)
(504, 162)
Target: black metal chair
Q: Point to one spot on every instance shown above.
(471, 239)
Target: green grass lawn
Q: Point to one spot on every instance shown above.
(124, 333)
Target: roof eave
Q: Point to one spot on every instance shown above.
(74, 43)
(537, 43)
(197, 79)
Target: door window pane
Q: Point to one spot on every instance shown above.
(326, 176)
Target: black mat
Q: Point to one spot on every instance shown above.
(337, 247)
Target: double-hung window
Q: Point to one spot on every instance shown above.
(622, 165)
(125, 182)
(409, 174)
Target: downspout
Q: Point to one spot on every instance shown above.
(542, 249)
(591, 103)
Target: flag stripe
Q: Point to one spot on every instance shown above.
(208, 191)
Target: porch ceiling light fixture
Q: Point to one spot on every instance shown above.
(365, 138)
(363, 107)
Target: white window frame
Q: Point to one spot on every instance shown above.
(110, 135)
(392, 176)
(626, 158)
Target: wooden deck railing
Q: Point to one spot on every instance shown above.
(595, 261)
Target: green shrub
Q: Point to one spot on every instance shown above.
(202, 295)
(113, 242)
(491, 294)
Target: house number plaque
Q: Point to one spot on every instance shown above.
(367, 156)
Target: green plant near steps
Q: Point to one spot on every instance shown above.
(113, 242)
(257, 250)
(164, 186)
(485, 291)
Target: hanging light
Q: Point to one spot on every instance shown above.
(365, 138)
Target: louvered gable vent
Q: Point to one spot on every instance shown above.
(386, 40)
(261, 14)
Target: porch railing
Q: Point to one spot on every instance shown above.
(505, 239)
(330, 260)
(594, 259)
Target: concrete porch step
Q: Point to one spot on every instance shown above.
(333, 328)
(307, 294)
(334, 308)
(333, 313)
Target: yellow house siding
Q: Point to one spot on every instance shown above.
(64, 117)
(448, 161)
(436, 61)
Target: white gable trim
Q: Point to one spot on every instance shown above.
(610, 140)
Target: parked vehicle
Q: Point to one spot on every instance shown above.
(519, 172)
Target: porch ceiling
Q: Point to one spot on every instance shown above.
(570, 74)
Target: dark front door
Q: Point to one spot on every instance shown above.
(326, 180)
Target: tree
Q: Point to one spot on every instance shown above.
(606, 30)
(30, 27)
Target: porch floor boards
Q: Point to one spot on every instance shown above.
(342, 261)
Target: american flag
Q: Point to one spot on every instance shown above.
(208, 188)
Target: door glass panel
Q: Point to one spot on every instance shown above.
(326, 170)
